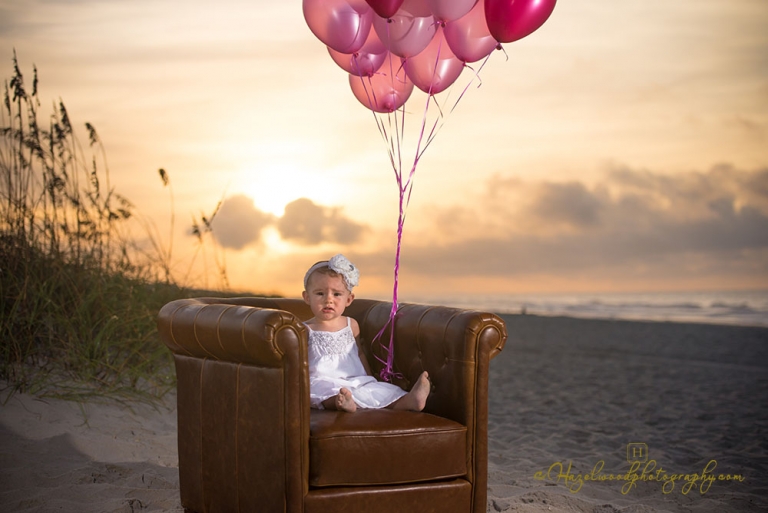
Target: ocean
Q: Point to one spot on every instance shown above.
(747, 308)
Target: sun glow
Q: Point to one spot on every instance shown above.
(272, 190)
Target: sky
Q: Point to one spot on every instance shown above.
(622, 147)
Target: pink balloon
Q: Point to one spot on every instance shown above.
(385, 8)
(366, 61)
(449, 10)
(405, 34)
(469, 37)
(343, 25)
(510, 20)
(434, 69)
(417, 7)
(387, 90)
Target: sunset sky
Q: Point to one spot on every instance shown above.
(621, 147)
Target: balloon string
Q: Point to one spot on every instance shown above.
(443, 117)
(476, 76)
(371, 97)
(388, 373)
(404, 189)
(393, 134)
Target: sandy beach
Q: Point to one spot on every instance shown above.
(577, 392)
(568, 396)
(98, 457)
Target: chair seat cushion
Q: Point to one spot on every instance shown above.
(373, 447)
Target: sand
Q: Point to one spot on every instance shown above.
(565, 392)
(579, 391)
(99, 457)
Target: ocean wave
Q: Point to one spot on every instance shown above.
(741, 308)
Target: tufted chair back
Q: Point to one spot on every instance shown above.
(249, 441)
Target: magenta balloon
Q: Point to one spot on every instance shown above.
(469, 37)
(366, 61)
(405, 34)
(510, 20)
(343, 25)
(449, 10)
(385, 8)
(387, 90)
(434, 69)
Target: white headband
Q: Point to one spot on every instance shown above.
(338, 264)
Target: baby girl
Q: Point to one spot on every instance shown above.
(339, 375)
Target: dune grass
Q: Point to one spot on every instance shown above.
(78, 297)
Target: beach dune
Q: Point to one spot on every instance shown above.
(575, 406)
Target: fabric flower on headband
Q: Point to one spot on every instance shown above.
(346, 269)
(340, 265)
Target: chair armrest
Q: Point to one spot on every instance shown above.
(453, 345)
(242, 403)
(213, 328)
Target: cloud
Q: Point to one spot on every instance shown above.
(633, 223)
(307, 223)
(569, 204)
(238, 223)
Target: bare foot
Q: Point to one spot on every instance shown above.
(345, 402)
(416, 399)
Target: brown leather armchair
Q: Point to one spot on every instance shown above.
(248, 440)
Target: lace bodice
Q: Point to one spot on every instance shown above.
(331, 342)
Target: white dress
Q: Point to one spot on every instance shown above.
(334, 363)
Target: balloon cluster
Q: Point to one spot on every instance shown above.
(422, 43)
